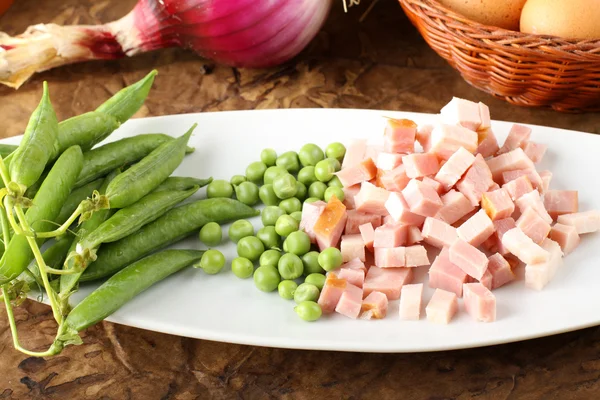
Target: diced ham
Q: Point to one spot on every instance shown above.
(422, 199)
(416, 256)
(387, 280)
(538, 275)
(584, 222)
(513, 160)
(356, 219)
(480, 302)
(363, 171)
(368, 235)
(371, 199)
(424, 136)
(434, 184)
(518, 187)
(373, 152)
(559, 202)
(355, 153)
(350, 301)
(410, 302)
(522, 246)
(533, 200)
(310, 214)
(374, 306)
(443, 274)
(476, 229)
(502, 226)
(454, 168)
(517, 137)
(330, 225)
(535, 151)
(497, 204)
(349, 193)
(476, 181)
(331, 293)
(390, 235)
(354, 264)
(442, 307)
(532, 174)
(354, 276)
(533, 225)
(546, 178)
(488, 145)
(420, 164)
(566, 236)
(484, 114)
(455, 206)
(438, 233)
(446, 139)
(468, 258)
(395, 179)
(399, 210)
(388, 161)
(500, 269)
(486, 279)
(414, 235)
(390, 257)
(399, 136)
(352, 246)
(462, 112)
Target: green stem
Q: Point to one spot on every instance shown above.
(5, 227)
(4, 173)
(11, 217)
(61, 230)
(55, 271)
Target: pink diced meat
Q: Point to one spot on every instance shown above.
(462, 112)
(400, 212)
(559, 202)
(442, 307)
(355, 264)
(535, 151)
(476, 229)
(476, 181)
(388, 161)
(353, 276)
(484, 114)
(352, 246)
(522, 246)
(486, 279)
(438, 233)
(349, 193)
(443, 274)
(538, 275)
(566, 236)
(388, 281)
(454, 168)
(513, 160)
(350, 301)
(455, 206)
(518, 187)
(310, 214)
(502, 226)
(416, 256)
(371, 199)
(533, 225)
(390, 257)
(361, 172)
(434, 184)
(414, 235)
(500, 270)
(488, 145)
(390, 235)
(424, 136)
(517, 137)
(533, 200)
(422, 199)
(546, 178)
(420, 164)
(468, 258)
(584, 222)
(480, 302)
(374, 306)
(373, 152)
(532, 174)
(399, 136)
(410, 302)
(396, 179)
(356, 219)
(355, 153)
(497, 204)
(447, 139)
(368, 235)
(331, 293)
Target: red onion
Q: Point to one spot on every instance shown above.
(241, 33)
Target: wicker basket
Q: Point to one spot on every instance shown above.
(523, 69)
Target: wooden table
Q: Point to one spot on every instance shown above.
(381, 63)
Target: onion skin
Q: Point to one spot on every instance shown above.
(240, 33)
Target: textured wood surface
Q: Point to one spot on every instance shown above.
(381, 63)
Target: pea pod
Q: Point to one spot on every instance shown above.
(148, 173)
(175, 225)
(181, 183)
(38, 145)
(54, 257)
(46, 207)
(75, 198)
(33, 189)
(129, 100)
(85, 130)
(7, 149)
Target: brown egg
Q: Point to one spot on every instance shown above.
(501, 13)
(575, 19)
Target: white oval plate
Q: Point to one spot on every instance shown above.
(225, 308)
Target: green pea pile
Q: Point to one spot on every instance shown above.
(284, 257)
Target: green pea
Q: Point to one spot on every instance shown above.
(317, 189)
(255, 171)
(286, 289)
(270, 257)
(212, 261)
(301, 191)
(297, 215)
(219, 188)
(267, 195)
(290, 266)
(250, 247)
(306, 292)
(307, 175)
(266, 278)
(268, 157)
(269, 237)
(309, 311)
(289, 161)
(237, 179)
(335, 182)
(273, 172)
(312, 199)
(331, 191)
(310, 154)
(284, 186)
(311, 263)
(247, 193)
(285, 225)
(316, 279)
(325, 169)
(297, 243)
(240, 229)
(336, 150)
(242, 267)
(211, 234)
(290, 205)
(330, 259)
(270, 214)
